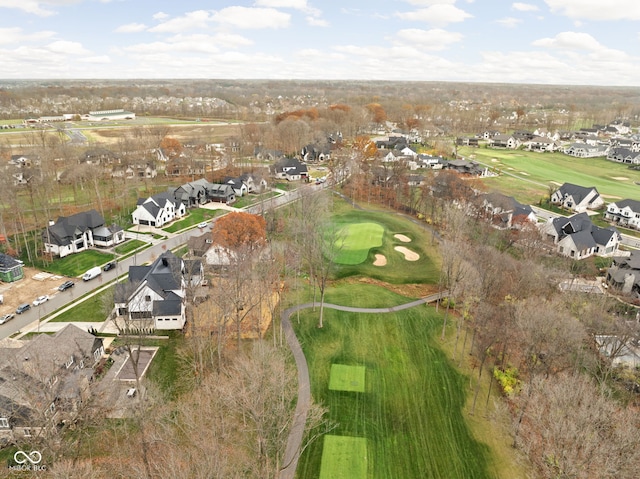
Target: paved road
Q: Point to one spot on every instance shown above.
(294, 442)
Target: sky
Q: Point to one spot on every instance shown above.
(583, 42)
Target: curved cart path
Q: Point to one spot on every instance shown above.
(294, 442)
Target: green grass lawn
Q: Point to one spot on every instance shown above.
(344, 458)
(344, 377)
(254, 199)
(356, 239)
(411, 413)
(129, 246)
(398, 270)
(90, 309)
(195, 216)
(77, 264)
(535, 171)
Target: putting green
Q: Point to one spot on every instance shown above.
(347, 378)
(356, 241)
(344, 457)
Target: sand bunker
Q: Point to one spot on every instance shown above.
(494, 160)
(381, 260)
(620, 178)
(408, 254)
(403, 238)
(524, 173)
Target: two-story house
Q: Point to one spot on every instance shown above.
(625, 213)
(577, 198)
(158, 210)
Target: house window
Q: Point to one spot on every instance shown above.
(4, 422)
(147, 298)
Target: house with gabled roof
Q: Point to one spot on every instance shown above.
(153, 296)
(256, 183)
(503, 141)
(221, 193)
(44, 379)
(11, 269)
(577, 237)
(505, 211)
(624, 273)
(624, 155)
(239, 187)
(76, 233)
(624, 213)
(577, 198)
(290, 169)
(158, 210)
(541, 144)
(586, 150)
(193, 193)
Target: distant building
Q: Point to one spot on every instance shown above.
(10, 268)
(109, 115)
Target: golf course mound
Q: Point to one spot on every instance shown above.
(381, 260)
(408, 254)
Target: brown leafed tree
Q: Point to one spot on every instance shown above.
(239, 230)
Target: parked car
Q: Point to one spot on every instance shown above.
(109, 266)
(66, 285)
(6, 317)
(41, 299)
(204, 224)
(22, 308)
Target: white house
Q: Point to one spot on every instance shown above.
(158, 210)
(577, 237)
(577, 198)
(153, 296)
(625, 213)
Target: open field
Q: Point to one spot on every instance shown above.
(527, 175)
(356, 239)
(411, 412)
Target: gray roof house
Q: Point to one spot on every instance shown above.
(624, 274)
(577, 237)
(624, 213)
(10, 268)
(505, 211)
(290, 169)
(45, 379)
(75, 233)
(158, 210)
(154, 295)
(577, 198)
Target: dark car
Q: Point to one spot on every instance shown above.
(22, 308)
(110, 265)
(66, 285)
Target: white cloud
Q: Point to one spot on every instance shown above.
(297, 4)
(524, 7)
(317, 22)
(433, 40)
(509, 22)
(427, 3)
(439, 14)
(96, 60)
(15, 35)
(160, 16)
(226, 40)
(252, 18)
(188, 22)
(570, 41)
(37, 7)
(596, 9)
(131, 28)
(67, 48)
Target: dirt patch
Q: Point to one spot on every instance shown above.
(403, 238)
(34, 284)
(408, 290)
(408, 254)
(381, 260)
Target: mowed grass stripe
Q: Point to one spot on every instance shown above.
(411, 413)
(344, 457)
(356, 240)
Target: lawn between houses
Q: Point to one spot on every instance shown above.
(410, 421)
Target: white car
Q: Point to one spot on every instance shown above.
(204, 224)
(41, 299)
